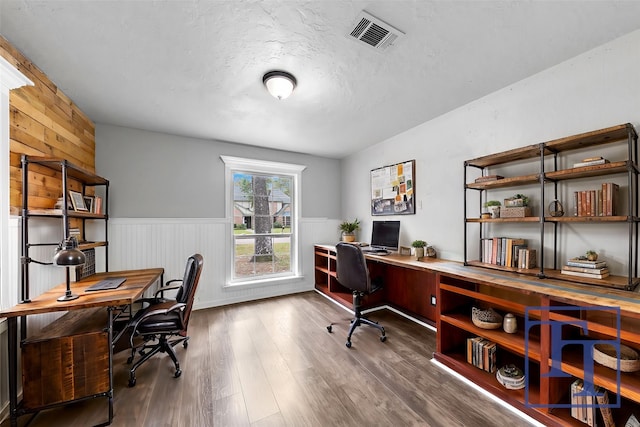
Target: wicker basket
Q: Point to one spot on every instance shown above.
(605, 354)
(519, 212)
(486, 319)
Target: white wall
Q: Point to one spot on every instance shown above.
(598, 89)
(167, 201)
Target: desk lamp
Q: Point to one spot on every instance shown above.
(67, 255)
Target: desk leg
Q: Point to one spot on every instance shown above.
(110, 338)
(12, 325)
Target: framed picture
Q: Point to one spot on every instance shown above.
(89, 203)
(393, 189)
(77, 201)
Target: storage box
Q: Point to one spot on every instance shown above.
(519, 212)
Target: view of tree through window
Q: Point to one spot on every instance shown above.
(262, 224)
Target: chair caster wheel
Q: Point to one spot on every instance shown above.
(185, 344)
(383, 338)
(177, 374)
(129, 360)
(132, 382)
(329, 329)
(348, 344)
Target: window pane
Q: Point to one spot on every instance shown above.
(262, 224)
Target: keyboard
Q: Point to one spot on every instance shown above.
(103, 285)
(376, 251)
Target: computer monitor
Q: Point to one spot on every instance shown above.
(385, 235)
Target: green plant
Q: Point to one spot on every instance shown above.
(591, 252)
(418, 244)
(525, 199)
(349, 227)
(492, 203)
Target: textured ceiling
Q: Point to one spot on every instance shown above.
(195, 68)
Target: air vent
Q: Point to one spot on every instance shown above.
(374, 32)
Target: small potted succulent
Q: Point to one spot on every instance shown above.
(591, 255)
(494, 208)
(349, 230)
(418, 248)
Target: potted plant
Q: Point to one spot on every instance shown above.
(591, 255)
(418, 247)
(349, 230)
(517, 201)
(494, 208)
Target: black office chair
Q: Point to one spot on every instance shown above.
(162, 323)
(352, 273)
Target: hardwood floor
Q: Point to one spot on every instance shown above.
(273, 363)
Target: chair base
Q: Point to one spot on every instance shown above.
(164, 345)
(360, 320)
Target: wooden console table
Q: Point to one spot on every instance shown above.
(77, 347)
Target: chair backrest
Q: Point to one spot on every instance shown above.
(187, 292)
(351, 268)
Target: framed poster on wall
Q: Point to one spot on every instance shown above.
(393, 189)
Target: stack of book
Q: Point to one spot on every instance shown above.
(502, 251)
(584, 268)
(487, 178)
(584, 405)
(481, 353)
(601, 202)
(591, 161)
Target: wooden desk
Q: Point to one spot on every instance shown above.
(409, 285)
(88, 330)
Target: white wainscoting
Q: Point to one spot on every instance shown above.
(153, 242)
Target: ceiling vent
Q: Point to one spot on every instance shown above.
(374, 32)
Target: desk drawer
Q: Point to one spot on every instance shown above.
(68, 360)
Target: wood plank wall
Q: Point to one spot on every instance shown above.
(44, 122)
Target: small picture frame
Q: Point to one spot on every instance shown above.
(89, 203)
(77, 201)
(404, 250)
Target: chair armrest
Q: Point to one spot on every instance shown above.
(168, 287)
(161, 308)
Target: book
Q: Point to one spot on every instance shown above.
(588, 275)
(586, 269)
(590, 163)
(602, 396)
(489, 178)
(578, 262)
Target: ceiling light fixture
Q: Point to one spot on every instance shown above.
(280, 84)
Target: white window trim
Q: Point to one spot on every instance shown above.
(262, 166)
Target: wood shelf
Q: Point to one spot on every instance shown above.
(511, 342)
(540, 156)
(457, 293)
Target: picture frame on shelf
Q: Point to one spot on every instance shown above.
(77, 201)
(89, 203)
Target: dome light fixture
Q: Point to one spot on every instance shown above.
(280, 84)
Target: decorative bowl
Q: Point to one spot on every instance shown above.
(486, 319)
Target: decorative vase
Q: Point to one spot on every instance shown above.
(510, 323)
(495, 211)
(348, 237)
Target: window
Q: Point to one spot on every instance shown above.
(263, 205)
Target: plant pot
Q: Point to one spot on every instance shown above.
(419, 253)
(592, 257)
(348, 237)
(494, 211)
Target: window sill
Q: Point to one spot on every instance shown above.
(263, 282)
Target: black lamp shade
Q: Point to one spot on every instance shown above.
(68, 253)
